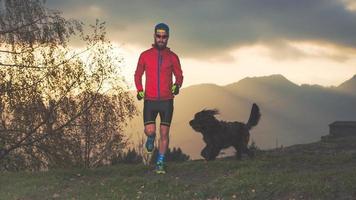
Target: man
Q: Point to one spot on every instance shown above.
(159, 64)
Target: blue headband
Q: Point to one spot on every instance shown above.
(162, 26)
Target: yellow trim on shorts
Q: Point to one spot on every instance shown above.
(166, 123)
(150, 122)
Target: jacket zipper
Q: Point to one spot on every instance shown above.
(158, 75)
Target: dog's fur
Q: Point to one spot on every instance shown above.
(221, 134)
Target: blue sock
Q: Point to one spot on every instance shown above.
(150, 142)
(160, 158)
(151, 138)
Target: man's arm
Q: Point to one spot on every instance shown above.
(177, 70)
(138, 73)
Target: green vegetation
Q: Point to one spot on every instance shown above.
(321, 170)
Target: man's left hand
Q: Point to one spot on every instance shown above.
(175, 89)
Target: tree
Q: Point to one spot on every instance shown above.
(59, 106)
(175, 155)
(129, 157)
(29, 24)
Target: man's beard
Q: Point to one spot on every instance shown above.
(161, 45)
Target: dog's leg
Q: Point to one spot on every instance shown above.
(214, 153)
(210, 152)
(238, 151)
(245, 145)
(204, 153)
(207, 153)
(250, 153)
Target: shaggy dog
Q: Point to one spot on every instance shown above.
(221, 134)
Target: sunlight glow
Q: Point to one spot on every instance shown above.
(316, 67)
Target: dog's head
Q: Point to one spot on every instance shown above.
(203, 119)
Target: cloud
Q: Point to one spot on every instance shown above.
(208, 28)
(296, 50)
(350, 4)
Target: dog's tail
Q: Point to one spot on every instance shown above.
(254, 117)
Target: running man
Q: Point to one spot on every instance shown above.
(159, 64)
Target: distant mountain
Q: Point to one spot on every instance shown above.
(348, 86)
(276, 81)
(291, 114)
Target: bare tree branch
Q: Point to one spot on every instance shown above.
(41, 66)
(12, 30)
(4, 152)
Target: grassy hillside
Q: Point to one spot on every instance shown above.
(321, 170)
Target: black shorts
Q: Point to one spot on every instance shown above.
(152, 108)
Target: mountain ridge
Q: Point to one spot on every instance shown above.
(291, 113)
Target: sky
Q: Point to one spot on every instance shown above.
(221, 42)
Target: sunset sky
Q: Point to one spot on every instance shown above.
(307, 41)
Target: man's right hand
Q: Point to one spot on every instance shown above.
(140, 95)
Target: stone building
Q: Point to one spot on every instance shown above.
(342, 128)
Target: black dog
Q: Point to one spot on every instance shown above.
(221, 134)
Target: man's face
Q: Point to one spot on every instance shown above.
(161, 39)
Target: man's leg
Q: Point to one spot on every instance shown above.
(150, 131)
(163, 146)
(149, 118)
(164, 139)
(166, 117)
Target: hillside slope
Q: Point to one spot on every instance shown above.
(320, 170)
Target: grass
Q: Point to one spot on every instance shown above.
(321, 170)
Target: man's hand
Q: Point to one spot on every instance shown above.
(140, 95)
(175, 89)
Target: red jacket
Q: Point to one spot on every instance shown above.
(159, 66)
